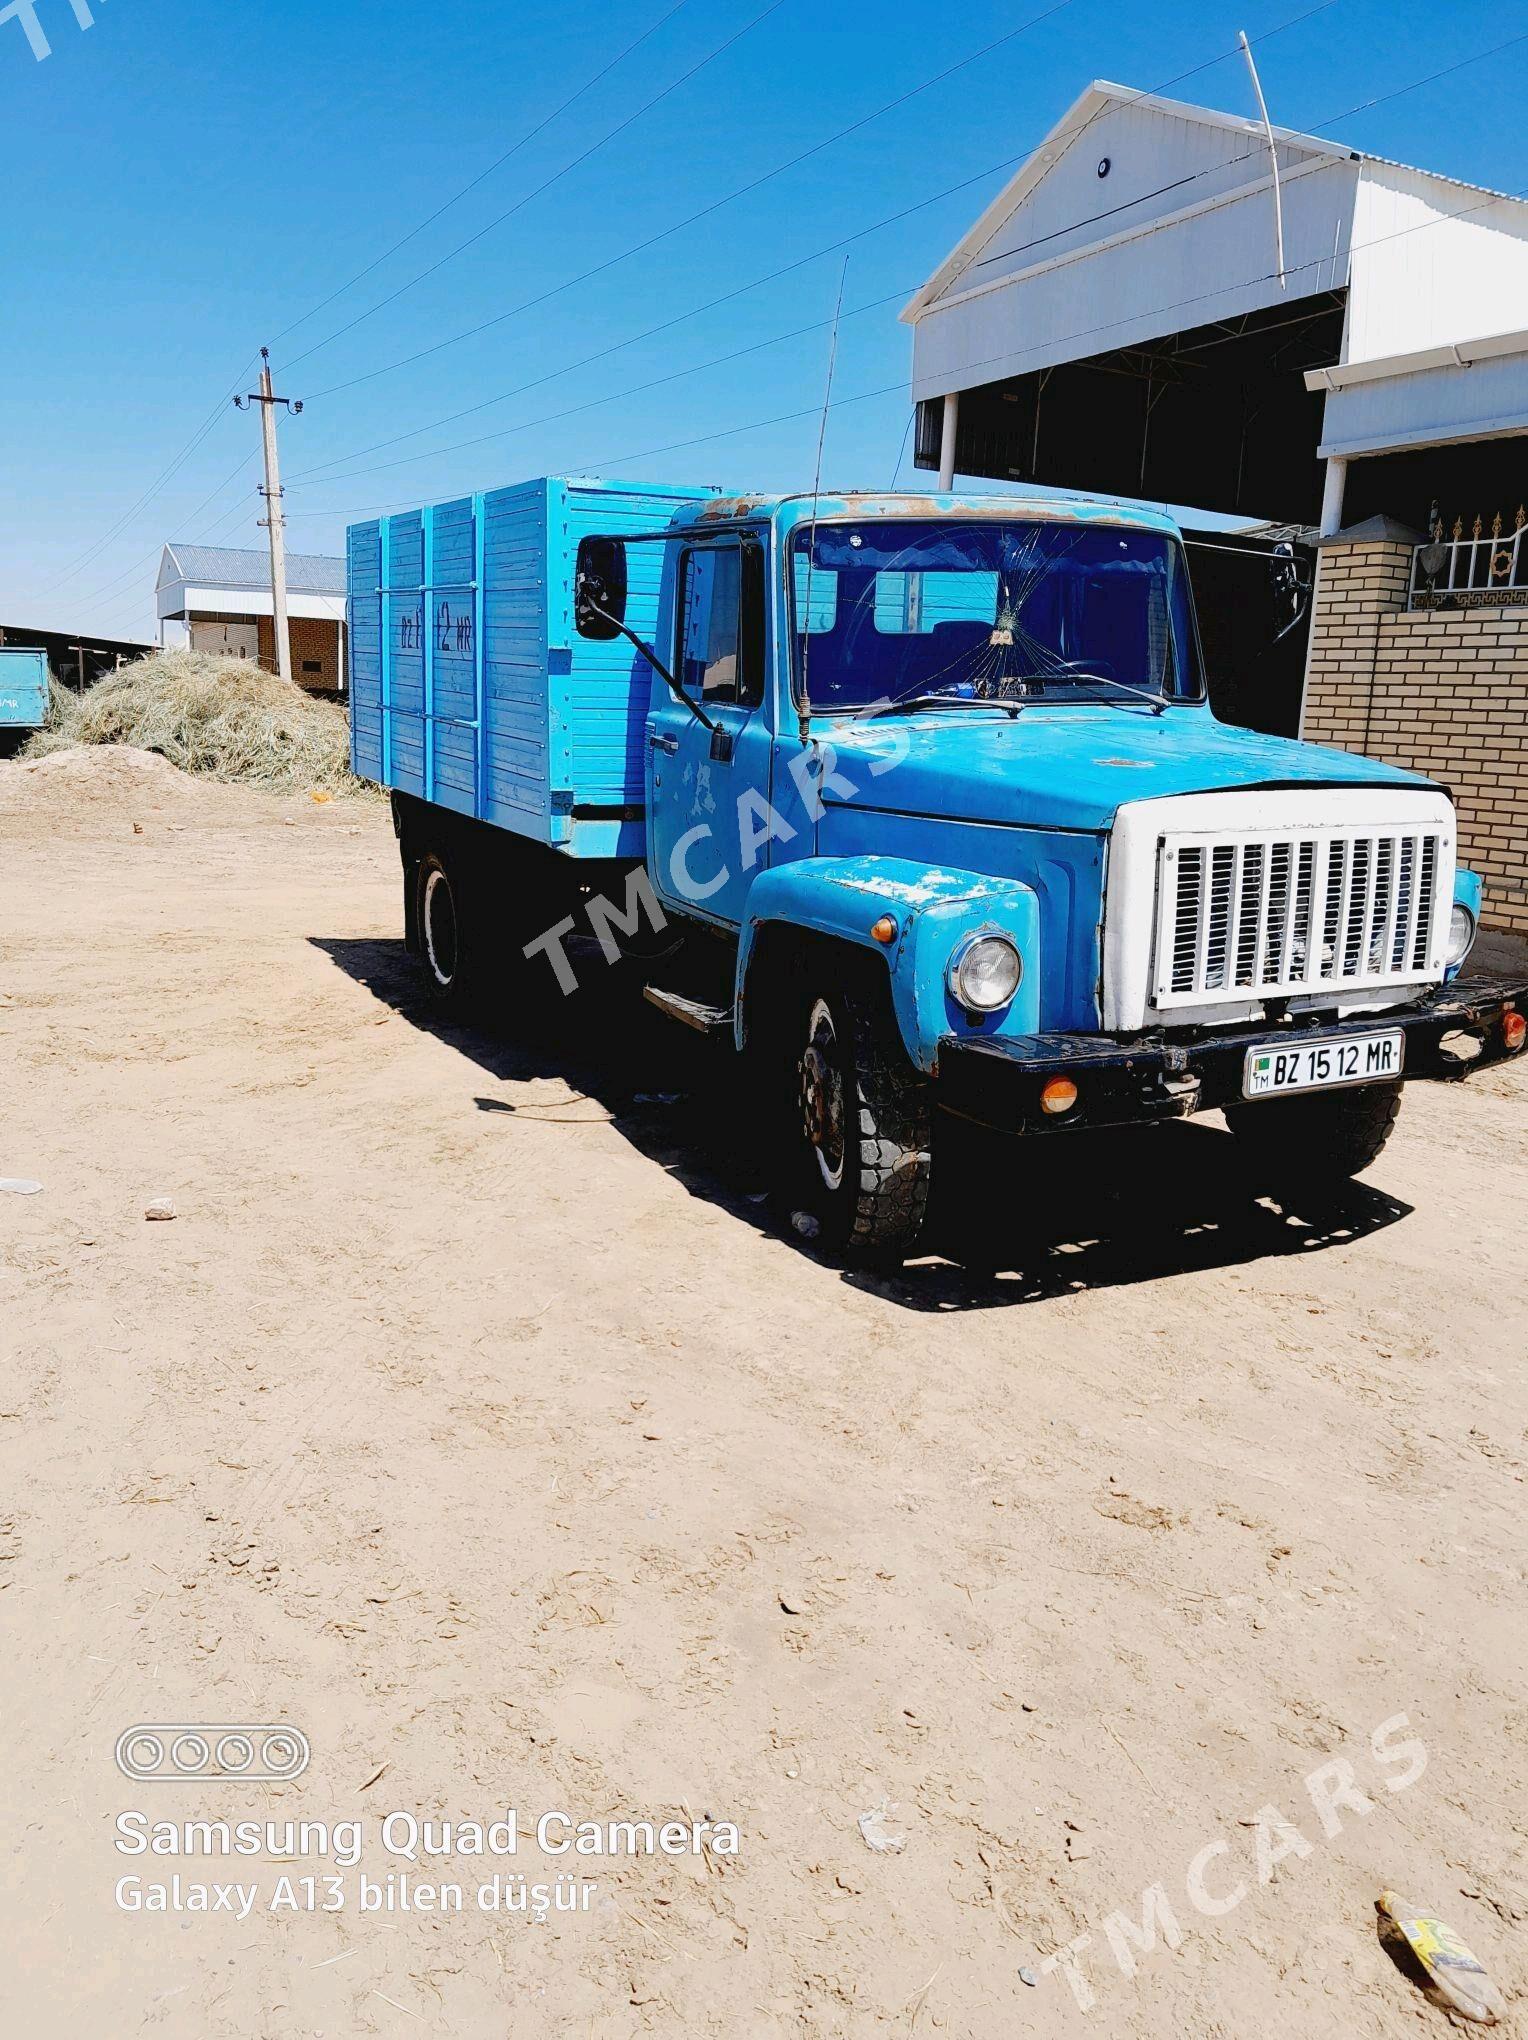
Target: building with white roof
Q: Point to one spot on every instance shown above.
(1174, 303)
(218, 598)
(1124, 316)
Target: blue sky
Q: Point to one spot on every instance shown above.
(186, 181)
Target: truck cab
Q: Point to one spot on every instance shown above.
(934, 818)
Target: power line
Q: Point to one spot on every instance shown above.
(94, 551)
(1315, 128)
(143, 564)
(1363, 106)
(1433, 76)
(556, 177)
(772, 276)
(309, 476)
(715, 205)
(664, 326)
(110, 588)
(900, 388)
(1264, 276)
(483, 175)
(242, 508)
(785, 269)
(594, 403)
(815, 325)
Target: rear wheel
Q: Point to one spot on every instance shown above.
(863, 1141)
(438, 925)
(1318, 1138)
(465, 928)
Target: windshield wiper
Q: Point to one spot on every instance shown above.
(1152, 702)
(913, 701)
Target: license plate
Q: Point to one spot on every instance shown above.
(1322, 1065)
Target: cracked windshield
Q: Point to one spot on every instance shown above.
(939, 614)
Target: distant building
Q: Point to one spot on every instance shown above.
(218, 599)
(76, 659)
(1116, 321)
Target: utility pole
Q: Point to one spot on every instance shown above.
(275, 520)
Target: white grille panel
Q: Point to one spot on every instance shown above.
(1279, 913)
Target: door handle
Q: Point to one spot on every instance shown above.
(659, 740)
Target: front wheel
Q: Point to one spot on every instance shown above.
(863, 1144)
(1320, 1138)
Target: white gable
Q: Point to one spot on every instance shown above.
(1162, 158)
(1180, 233)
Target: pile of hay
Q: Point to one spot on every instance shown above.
(221, 717)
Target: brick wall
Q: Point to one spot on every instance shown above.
(314, 642)
(1439, 691)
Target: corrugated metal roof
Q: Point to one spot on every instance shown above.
(216, 566)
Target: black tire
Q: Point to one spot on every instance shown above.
(1322, 1138)
(440, 903)
(464, 956)
(863, 1118)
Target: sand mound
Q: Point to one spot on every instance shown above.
(74, 783)
(107, 761)
(221, 718)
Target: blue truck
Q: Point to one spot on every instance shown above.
(23, 695)
(916, 801)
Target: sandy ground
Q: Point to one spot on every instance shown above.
(475, 1416)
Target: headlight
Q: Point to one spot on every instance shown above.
(985, 972)
(1461, 934)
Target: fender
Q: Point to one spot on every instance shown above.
(933, 908)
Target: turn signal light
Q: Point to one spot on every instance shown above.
(1059, 1095)
(884, 930)
(1513, 1029)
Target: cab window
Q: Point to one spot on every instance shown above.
(720, 624)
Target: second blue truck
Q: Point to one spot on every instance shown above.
(23, 695)
(919, 803)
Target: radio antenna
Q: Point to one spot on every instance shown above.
(804, 721)
(1273, 154)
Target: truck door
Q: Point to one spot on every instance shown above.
(706, 791)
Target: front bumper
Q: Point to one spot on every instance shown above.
(1126, 1080)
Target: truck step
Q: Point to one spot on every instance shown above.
(704, 1019)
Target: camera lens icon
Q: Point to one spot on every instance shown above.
(141, 1755)
(168, 1752)
(284, 1754)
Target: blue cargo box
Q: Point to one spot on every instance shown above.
(470, 686)
(23, 689)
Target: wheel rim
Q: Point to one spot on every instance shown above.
(822, 1095)
(439, 917)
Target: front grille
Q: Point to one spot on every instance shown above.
(1268, 915)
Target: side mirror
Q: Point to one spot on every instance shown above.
(1289, 583)
(600, 586)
